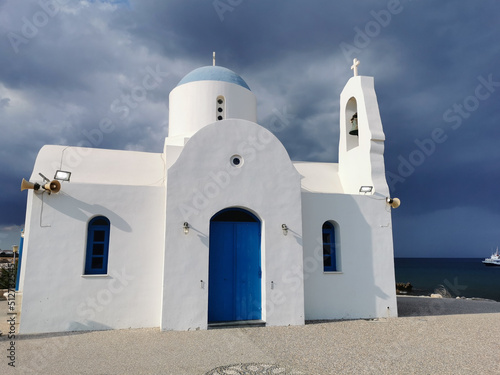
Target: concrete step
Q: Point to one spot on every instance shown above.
(237, 324)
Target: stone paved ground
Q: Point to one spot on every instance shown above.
(429, 340)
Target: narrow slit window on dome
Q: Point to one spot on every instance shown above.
(220, 106)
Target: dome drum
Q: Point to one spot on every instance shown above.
(207, 95)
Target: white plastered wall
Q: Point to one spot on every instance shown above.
(201, 183)
(56, 294)
(364, 287)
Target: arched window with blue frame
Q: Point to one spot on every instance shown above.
(329, 248)
(96, 259)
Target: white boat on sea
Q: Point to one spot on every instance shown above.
(494, 260)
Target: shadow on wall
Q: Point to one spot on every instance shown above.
(361, 251)
(296, 236)
(80, 210)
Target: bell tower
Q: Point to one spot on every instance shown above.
(361, 146)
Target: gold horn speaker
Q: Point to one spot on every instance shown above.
(394, 202)
(54, 186)
(29, 185)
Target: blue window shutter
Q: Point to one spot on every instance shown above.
(329, 251)
(96, 259)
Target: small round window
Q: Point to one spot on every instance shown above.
(236, 161)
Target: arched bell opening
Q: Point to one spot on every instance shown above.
(351, 124)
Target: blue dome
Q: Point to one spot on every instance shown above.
(213, 73)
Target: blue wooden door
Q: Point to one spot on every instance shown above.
(221, 272)
(234, 272)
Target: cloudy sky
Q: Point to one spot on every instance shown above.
(67, 65)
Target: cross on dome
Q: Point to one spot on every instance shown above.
(354, 66)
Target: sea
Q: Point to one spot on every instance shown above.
(462, 277)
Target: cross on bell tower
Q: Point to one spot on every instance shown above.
(354, 66)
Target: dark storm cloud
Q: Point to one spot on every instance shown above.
(88, 60)
(241, 32)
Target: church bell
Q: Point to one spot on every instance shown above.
(354, 125)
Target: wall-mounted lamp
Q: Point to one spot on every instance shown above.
(62, 175)
(185, 226)
(365, 189)
(285, 229)
(393, 202)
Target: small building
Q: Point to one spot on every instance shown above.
(6, 254)
(220, 227)
(6, 258)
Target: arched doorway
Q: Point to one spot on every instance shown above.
(234, 289)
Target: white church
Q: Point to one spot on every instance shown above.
(221, 228)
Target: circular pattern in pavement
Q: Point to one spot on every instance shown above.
(252, 369)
